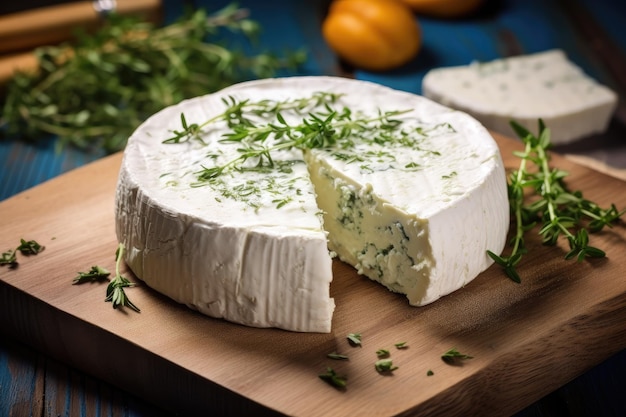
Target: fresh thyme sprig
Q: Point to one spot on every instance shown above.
(238, 112)
(316, 131)
(115, 289)
(95, 92)
(259, 131)
(558, 211)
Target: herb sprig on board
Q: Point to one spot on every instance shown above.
(26, 248)
(115, 289)
(115, 293)
(95, 92)
(538, 195)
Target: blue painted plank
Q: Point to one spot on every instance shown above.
(23, 165)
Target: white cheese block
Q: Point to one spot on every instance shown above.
(416, 215)
(526, 88)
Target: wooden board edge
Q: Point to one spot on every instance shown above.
(129, 370)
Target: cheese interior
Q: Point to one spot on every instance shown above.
(416, 216)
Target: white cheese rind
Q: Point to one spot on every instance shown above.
(526, 88)
(254, 265)
(428, 226)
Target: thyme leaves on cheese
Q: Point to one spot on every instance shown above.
(538, 195)
(238, 115)
(260, 130)
(317, 130)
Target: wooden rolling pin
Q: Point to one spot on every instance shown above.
(10, 63)
(21, 32)
(54, 24)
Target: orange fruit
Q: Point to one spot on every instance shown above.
(374, 35)
(443, 8)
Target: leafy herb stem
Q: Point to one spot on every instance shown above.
(236, 114)
(115, 289)
(558, 211)
(94, 92)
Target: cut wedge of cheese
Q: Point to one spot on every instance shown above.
(526, 88)
(414, 204)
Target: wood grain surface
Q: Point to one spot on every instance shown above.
(526, 339)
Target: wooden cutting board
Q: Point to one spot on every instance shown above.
(526, 339)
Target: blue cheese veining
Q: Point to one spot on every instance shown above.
(415, 212)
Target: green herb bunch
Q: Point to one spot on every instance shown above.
(538, 195)
(95, 92)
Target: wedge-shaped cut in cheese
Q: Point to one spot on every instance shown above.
(415, 210)
(526, 88)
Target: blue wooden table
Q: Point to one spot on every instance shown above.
(593, 34)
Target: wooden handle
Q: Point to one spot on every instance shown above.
(9, 64)
(54, 24)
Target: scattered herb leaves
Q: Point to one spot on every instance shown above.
(332, 378)
(26, 248)
(337, 356)
(354, 339)
(96, 273)
(382, 353)
(401, 345)
(8, 258)
(30, 247)
(454, 357)
(385, 365)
